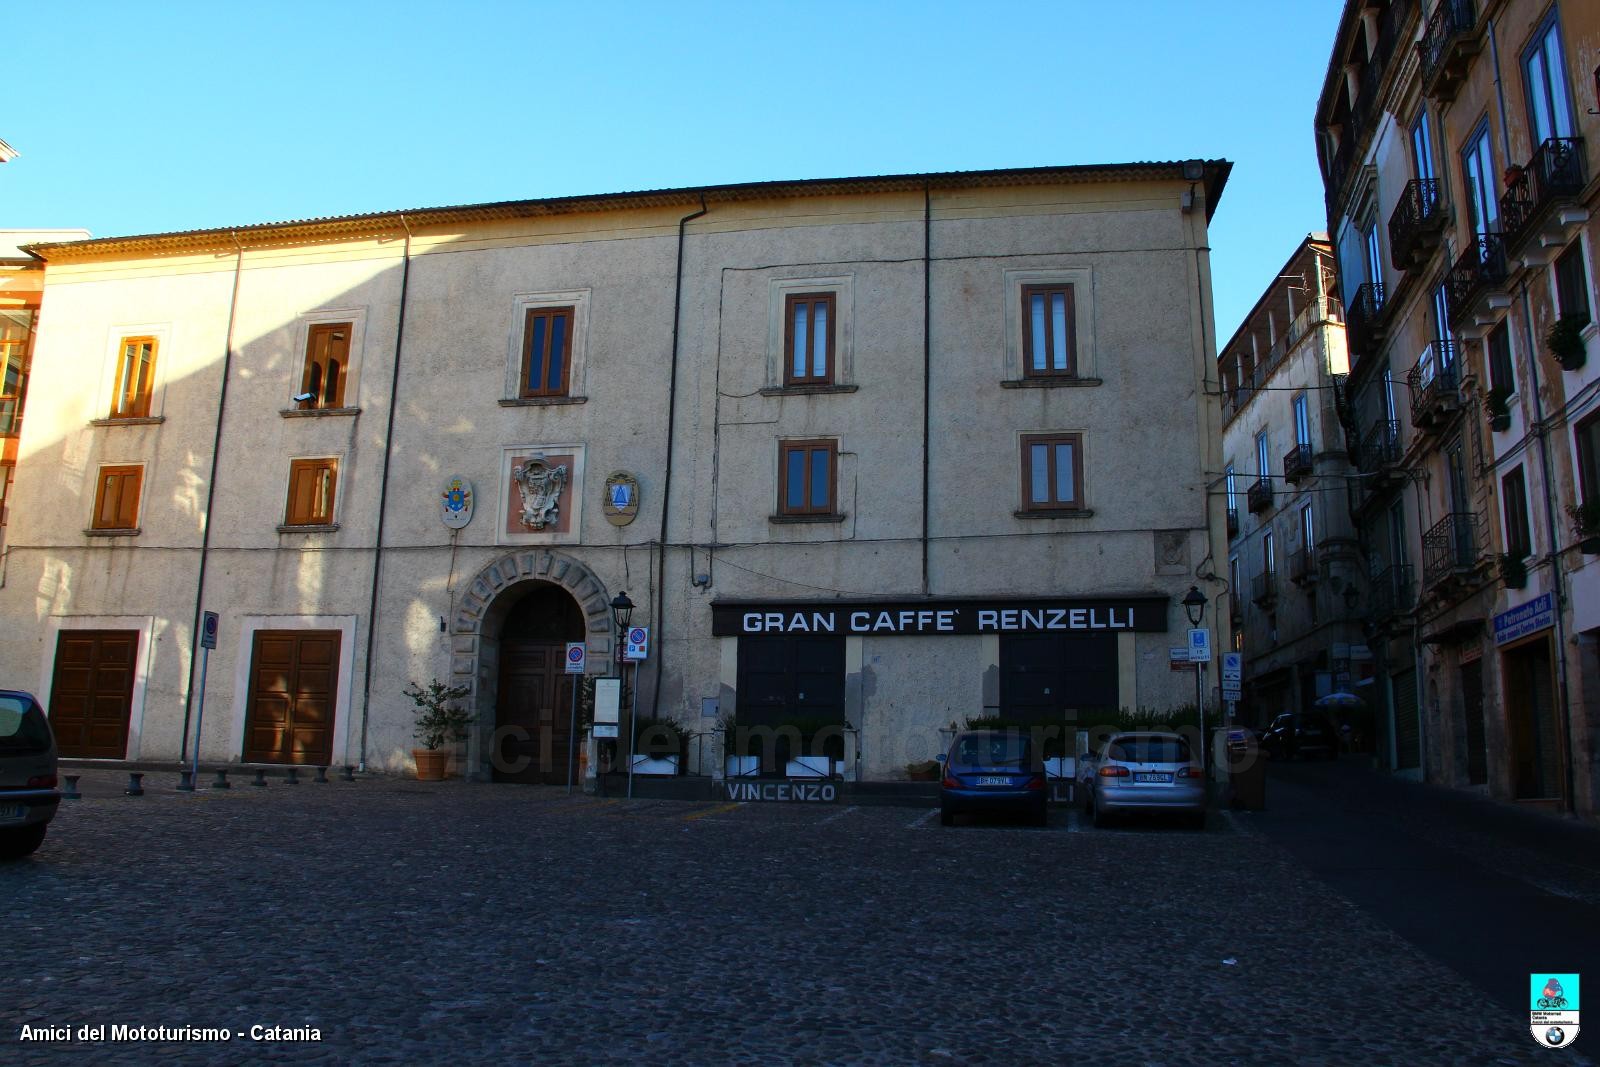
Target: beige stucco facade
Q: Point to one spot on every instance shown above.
(436, 304)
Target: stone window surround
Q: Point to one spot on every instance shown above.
(1012, 374)
(578, 344)
(357, 318)
(339, 480)
(106, 392)
(842, 286)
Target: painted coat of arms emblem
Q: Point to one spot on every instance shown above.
(540, 484)
(456, 502)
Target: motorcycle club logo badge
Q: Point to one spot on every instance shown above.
(1553, 1009)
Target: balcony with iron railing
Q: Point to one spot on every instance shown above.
(1416, 225)
(1391, 592)
(1259, 496)
(1297, 464)
(1553, 176)
(1435, 385)
(1478, 271)
(1364, 324)
(1454, 548)
(1264, 586)
(1303, 565)
(1380, 448)
(1447, 46)
(1233, 522)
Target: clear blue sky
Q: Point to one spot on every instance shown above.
(150, 117)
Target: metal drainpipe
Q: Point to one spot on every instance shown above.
(383, 488)
(666, 482)
(1540, 433)
(211, 493)
(927, 364)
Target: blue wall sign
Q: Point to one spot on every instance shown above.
(1524, 619)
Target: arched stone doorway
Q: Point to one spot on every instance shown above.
(533, 735)
(563, 597)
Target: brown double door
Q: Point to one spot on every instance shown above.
(293, 674)
(533, 713)
(91, 695)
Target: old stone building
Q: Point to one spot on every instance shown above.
(879, 453)
(1457, 141)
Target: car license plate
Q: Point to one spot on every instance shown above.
(13, 812)
(1150, 776)
(992, 780)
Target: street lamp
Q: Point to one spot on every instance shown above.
(1194, 605)
(622, 614)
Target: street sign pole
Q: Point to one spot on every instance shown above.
(576, 654)
(208, 641)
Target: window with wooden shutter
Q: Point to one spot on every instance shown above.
(546, 351)
(327, 365)
(1052, 472)
(806, 473)
(116, 498)
(136, 372)
(312, 484)
(808, 331)
(16, 329)
(1049, 332)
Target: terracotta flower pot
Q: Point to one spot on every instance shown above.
(433, 764)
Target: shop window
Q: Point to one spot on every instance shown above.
(116, 498)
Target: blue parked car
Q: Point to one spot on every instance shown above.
(992, 771)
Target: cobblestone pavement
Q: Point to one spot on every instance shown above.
(408, 922)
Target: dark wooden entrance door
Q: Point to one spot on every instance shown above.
(1530, 720)
(293, 674)
(1043, 676)
(92, 693)
(1472, 708)
(791, 681)
(534, 713)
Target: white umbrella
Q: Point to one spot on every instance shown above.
(1340, 700)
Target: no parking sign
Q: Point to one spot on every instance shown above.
(638, 644)
(577, 652)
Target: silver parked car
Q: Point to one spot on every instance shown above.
(1144, 771)
(28, 797)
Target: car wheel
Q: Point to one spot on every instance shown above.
(15, 844)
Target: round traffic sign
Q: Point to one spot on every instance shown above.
(575, 654)
(636, 635)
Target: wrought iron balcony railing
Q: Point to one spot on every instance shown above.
(1434, 382)
(1303, 565)
(1480, 268)
(1454, 547)
(1363, 324)
(1555, 173)
(1392, 592)
(1264, 587)
(1297, 464)
(1380, 447)
(1259, 496)
(1233, 522)
(1416, 224)
(1447, 47)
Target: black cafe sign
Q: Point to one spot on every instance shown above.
(935, 617)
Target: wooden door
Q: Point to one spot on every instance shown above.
(92, 694)
(533, 713)
(293, 675)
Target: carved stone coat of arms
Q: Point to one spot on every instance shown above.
(540, 484)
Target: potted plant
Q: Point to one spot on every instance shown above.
(736, 763)
(1513, 571)
(1565, 340)
(821, 743)
(1496, 405)
(658, 747)
(923, 771)
(439, 722)
(1586, 524)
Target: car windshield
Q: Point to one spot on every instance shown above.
(22, 727)
(1150, 750)
(990, 750)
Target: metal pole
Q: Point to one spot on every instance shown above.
(572, 732)
(633, 720)
(200, 712)
(1200, 706)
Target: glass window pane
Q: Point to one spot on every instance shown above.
(800, 320)
(8, 415)
(1538, 98)
(1066, 490)
(820, 478)
(795, 479)
(819, 358)
(1058, 330)
(1039, 474)
(13, 361)
(1040, 340)
(536, 353)
(558, 346)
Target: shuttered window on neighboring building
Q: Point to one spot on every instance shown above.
(312, 483)
(1572, 285)
(116, 498)
(1501, 375)
(1514, 500)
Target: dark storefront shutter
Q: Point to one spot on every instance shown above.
(1407, 728)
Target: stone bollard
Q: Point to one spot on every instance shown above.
(186, 781)
(221, 780)
(322, 775)
(71, 792)
(261, 777)
(292, 777)
(135, 784)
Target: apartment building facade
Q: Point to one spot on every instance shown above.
(859, 450)
(1457, 141)
(1296, 576)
